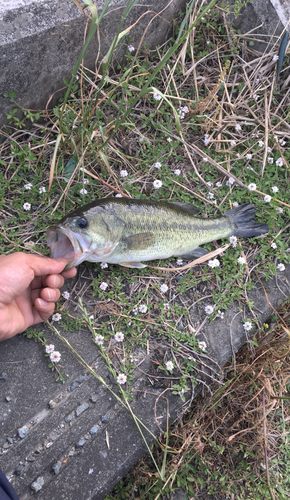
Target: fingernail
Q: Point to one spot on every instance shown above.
(42, 303)
(51, 293)
(62, 259)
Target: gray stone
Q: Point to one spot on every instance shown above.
(94, 430)
(3, 377)
(105, 419)
(69, 418)
(80, 443)
(82, 378)
(83, 407)
(94, 398)
(18, 470)
(73, 386)
(56, 467)
(40, 41)
(37, 485)
(23, 432)
(10, 440)
(8, 398)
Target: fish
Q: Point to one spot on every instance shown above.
(127, 231)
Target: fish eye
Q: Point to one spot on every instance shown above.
(82, 223)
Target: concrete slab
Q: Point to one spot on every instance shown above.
(81, 441)
(40, 42)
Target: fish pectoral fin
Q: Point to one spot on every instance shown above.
(186, 207)
(195, 254)
(139, 265)
(139, 241)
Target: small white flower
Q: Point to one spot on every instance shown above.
(179, 262)
(104, 265)
(119, 195)
(273, 245)
(164, 288)
(181, 393)
(169, 366)
(185, 109)
(202, 345)
(55, 356)
(28, 186)
(166, 306)
(56, 317)
(249, 156)
(248, 326)
(157, 165)
(220, 314)
(27, 206)
(205, 159)
(83, 191)
(177, 171)
(233, 143)
(49, 348)
(143, 308)
(279, 162)
(231, 180)
(252, 186)
(256, 97)
(86, 181)
(241, 260)
(218, 184)
(134, 359)
(210, 196)
(279, 210)
(209, 183)
(269, 149)
(119, 336)
(99, 339)
(267, 198)
(270, 160)
(214, 263)
(123, 173)
(238, 155)
(276, 138)
(282, 142)
(42, 189)
(275, 58)
(209, 309)
(66, 295)
(235, 204)
(156, 96)
(157, 184)
(281, 267)
(103, 286)
(131, 48)
(121, 379)
(206, 139)
(169, 139)
(261, 143)
(234, 241)
(238, 127)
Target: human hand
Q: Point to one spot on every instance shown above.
(29, 288)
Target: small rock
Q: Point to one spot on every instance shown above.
(82, 408)
(8, 398)
(23, 432)
(105, 418)
(179, 278)
(37, 485)
(69, 418)
(180, 326)
(94, 430)
(104, 454)
(3, 377)
(18, 470)
(52, 404)
(81, 443)
(82, 378)
(74, 386)
(10, 440)
(6, 446)
(94, 398)
(56, 467)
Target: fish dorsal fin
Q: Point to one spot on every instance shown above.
(186, 207)
(139, 241)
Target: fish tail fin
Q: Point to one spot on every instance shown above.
(242, 219)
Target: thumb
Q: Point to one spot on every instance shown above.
(45, 265)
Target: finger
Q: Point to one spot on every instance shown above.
(42, 266)
(50, 294)
(53, 281)
(70, 273)
(42, 310)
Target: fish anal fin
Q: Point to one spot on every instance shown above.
(139, 241)
(186, 207)
(194, 254)
(138, 265)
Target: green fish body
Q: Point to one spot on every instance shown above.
(128, 231)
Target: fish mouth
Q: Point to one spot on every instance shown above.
(63, 242)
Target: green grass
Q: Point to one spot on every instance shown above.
(78, 152)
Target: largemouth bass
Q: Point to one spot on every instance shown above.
(128, 231)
